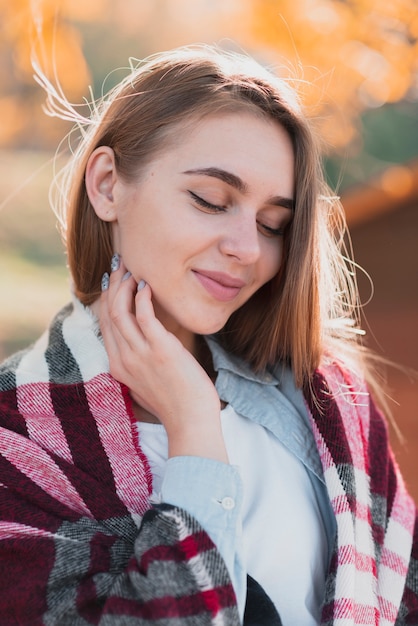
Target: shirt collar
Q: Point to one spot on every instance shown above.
(223, 360)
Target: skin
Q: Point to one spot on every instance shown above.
(183, 219)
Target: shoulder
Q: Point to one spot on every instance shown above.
(334, 383)
(26, 378)
(8, 370)
(32, 364)
(345, 415)
(9, 413)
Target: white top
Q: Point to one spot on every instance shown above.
(284, 541)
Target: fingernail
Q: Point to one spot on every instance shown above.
(126, 276)
(105, 281)
(141, 285)
(115, 262)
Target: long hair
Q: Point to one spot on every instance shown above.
(310, 307)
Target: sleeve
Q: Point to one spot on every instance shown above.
(213, 497)
(63, 566)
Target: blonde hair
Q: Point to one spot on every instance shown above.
(310, 308)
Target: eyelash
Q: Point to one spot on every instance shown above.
(207, 205)
(268, 231)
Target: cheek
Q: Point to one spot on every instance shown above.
(272, 259)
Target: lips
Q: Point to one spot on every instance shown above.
(219, 285)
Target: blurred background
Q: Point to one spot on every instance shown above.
(356, 66)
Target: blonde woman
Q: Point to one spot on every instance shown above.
(195, 439)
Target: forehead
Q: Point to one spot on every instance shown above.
(221, 127)
(194, 119)
(251, 146)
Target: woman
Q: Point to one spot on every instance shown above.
(193, 440)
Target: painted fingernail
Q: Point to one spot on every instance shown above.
(105, 281)
(141, 285)
(126, 276)
(115, 262)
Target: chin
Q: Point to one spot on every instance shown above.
(208, 329)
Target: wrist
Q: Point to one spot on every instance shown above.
(198, 439)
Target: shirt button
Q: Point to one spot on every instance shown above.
(228, 503)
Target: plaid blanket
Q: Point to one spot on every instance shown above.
(80, 543)
(373, 577)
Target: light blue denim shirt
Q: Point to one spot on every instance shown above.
(212, 491)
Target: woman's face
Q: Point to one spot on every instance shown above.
(203, 225)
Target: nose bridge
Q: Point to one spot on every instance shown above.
(242, 238)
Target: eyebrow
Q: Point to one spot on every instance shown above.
(235, 181)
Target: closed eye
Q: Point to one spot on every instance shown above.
(271, 232)
(205, 204)
(265, 230)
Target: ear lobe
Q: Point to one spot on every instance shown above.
(100, 177)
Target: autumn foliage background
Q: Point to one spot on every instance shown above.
(351, 55)
(355, 62)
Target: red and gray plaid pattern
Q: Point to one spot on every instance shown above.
(373, 578)
(80, 545)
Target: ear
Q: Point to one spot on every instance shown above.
(101, 177)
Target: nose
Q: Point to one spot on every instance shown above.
(242, 241)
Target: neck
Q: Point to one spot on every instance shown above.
(186, 337)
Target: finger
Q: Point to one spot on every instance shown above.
(106, 327)
(150, 326)
(110, 287)
(121, 312)
(119, 302)
(121, 348)
(117, 274)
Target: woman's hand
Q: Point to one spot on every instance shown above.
(163, 376)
